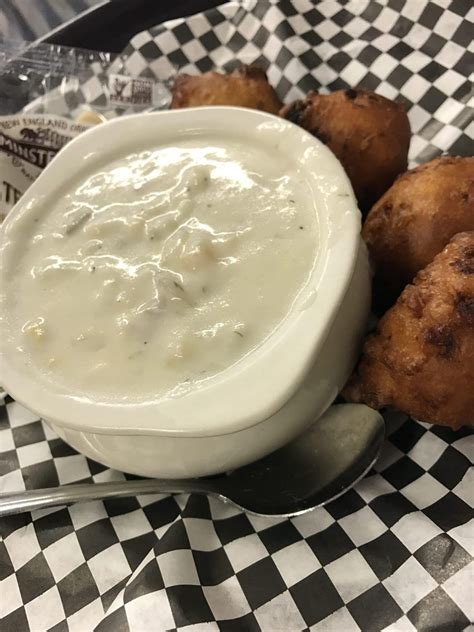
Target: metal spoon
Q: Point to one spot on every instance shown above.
(320, 465)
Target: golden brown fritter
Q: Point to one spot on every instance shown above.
(421, 357)
(247, 87)
(368, 133)
(417, 217)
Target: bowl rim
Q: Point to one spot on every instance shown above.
(265, 379)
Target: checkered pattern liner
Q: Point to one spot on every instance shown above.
(393, 554)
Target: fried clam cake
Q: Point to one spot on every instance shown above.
(246, 86)
(417, 217)
(421, 357)
(368, 133)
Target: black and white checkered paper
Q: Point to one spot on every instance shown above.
(396, 553)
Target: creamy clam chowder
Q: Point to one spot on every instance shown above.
(161, 268)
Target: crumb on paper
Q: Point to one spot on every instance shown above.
(89, 117)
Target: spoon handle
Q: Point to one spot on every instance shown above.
(29, 500)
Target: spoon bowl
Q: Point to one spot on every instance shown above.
(317, 467)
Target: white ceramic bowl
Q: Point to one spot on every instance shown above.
(271, 395)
